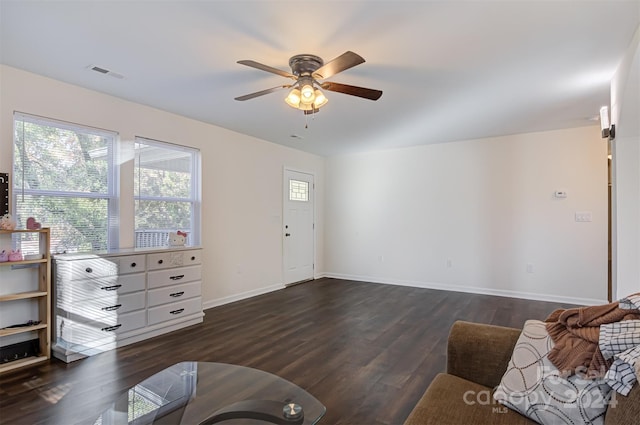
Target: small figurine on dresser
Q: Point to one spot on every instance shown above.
(177, 238)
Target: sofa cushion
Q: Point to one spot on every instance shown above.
(533, 386)
(479, 352)
(451, 400)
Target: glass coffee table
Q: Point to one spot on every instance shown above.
(201, 393)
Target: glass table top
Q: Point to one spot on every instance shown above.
(201, 393)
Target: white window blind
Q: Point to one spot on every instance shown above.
(64, 176)
(167, 192)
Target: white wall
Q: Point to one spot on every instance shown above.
(242, 178)
(394, 216)
(486, 206)
(625, 114)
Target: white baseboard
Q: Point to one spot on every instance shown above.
(248, 294)
(471, 289)
(244, 295)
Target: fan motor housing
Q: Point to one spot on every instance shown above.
(305, 64)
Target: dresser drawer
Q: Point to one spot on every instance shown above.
(132, 264)
(95, 333)
(171, 294)
(164, 260)
(175, 276)
(97, 288)
(106, 308)
(175, 310)
(89, 268)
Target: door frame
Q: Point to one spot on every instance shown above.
(285, 191)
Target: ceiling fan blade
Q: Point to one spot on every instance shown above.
(261, 93)
(344, 61)
(352, 90)
(258, 65)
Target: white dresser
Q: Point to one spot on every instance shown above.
(108, 300)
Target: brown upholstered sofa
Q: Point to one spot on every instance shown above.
(477, 357)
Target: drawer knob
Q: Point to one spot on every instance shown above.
(110, 288)
(160, 261)
(177, 311)
(88, 270)
(193, 258)
(111, 328)
(133, 264)
(180, 276)
(112, 307)
(177, 294)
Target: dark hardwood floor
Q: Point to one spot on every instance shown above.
(366, 351)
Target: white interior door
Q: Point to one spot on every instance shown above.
(298, 227)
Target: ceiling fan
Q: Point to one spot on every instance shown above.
(306, 70)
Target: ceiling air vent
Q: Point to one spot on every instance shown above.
(98, 69)
(105, 71)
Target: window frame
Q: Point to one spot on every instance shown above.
(195, 192)
(112, 196)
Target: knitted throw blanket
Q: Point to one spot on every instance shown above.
(576, 331)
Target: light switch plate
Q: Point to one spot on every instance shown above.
(583, 216)
(560, 194)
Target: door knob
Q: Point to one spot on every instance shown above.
(287, 234)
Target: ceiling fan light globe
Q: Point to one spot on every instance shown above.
(293, 98)
(320, 99)
(307, 94)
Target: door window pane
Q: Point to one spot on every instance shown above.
(298, 190)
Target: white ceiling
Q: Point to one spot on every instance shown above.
(450, 70)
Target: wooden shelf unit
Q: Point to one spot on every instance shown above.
(42, 296)
(21, 329)
(17, 364)
(22, 296)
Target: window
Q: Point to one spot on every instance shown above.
(65, 177)
(167, 192)
(298, 191)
